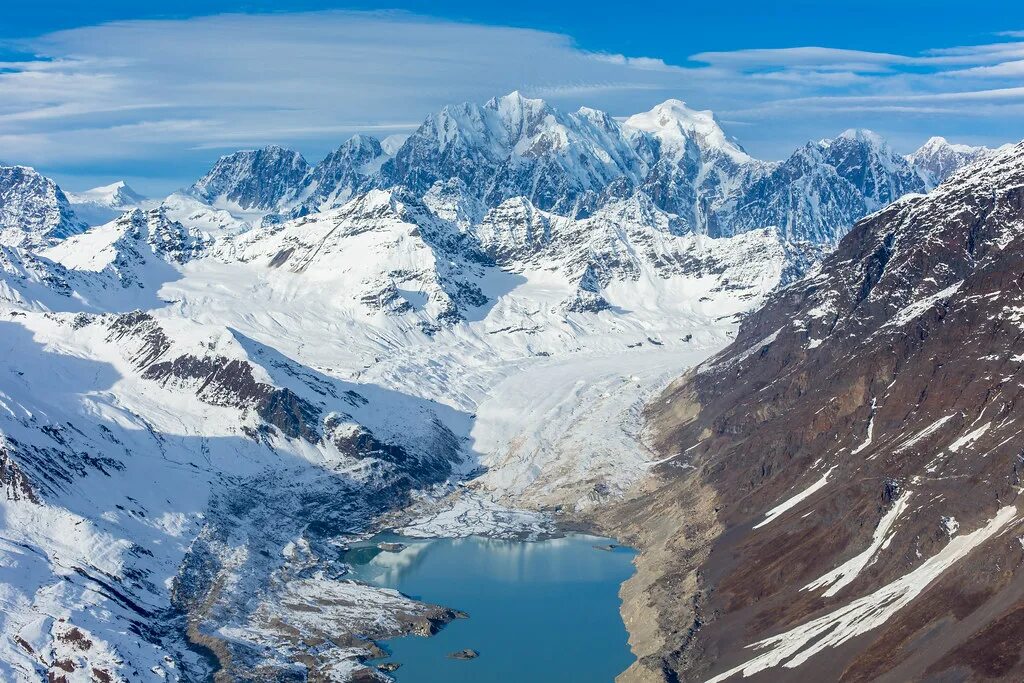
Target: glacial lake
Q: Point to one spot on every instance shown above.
(545, 612)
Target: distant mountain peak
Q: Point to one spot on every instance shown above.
(515, 100)
(863, 135)
(937, 158)
(256, 179)
(573, 163)
(673, 122)
(937, 142)
(934, 142)
(115, 195)
(361, 140)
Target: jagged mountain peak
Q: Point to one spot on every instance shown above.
(937, 159)
(937, 142)
(516, 146)
(673, 114)
(255, 179)
(865, 159)
(515, 103)
(119, 190)
(824, 187)
(1003, 172)
(34, 211)
(266, 154)
(137, 245)
(525, 119)
(102, 204)
(572, 163)
(362, 141)
(116, 194)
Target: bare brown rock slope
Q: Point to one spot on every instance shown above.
(841, 499)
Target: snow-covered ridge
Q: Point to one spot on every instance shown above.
(102, 204)
(937, 159)
(675, 124)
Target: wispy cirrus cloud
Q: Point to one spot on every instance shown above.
(168, 95)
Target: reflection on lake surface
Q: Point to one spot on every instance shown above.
(541, 612)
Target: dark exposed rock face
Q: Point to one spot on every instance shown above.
(224, 381)
(15, 484)
(846, 474)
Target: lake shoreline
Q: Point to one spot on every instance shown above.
(531, 565)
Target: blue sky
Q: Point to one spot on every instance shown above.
(154, 92)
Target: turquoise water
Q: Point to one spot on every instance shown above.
(543, 612)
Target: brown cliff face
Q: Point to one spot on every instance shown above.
(862, 441)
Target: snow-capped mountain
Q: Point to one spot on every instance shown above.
(818, 192)
(34, 211)
(514, 146)
(341, 173)
(938, 159)
(865, 160)
(253, 180)
(102, 204)
(699, 167)
(138, 250)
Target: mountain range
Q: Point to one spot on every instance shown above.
(479, 329)
(573, 164)
(570, 165)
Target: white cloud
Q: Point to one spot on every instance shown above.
(177, 92)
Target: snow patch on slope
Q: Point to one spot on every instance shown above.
(796, 646)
